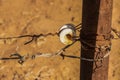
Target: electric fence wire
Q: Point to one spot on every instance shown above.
(21, 59)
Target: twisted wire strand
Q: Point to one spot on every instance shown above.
(21, 58)
(60, 52)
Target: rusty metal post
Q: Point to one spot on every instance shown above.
(95, 33)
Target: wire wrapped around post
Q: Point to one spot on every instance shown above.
(96, 31)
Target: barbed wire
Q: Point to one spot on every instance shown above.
(35, 36)
(23, 58)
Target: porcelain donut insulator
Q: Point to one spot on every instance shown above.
(67, 34)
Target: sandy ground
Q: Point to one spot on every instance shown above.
(19, 17)
(114, 67)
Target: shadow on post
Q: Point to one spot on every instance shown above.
(90, 19)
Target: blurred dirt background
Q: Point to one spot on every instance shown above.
(19, 17)
(114, 63)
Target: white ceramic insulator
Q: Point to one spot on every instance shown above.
(67, 29)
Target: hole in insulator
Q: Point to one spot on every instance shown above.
(69, 36)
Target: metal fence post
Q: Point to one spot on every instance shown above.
(96, 29)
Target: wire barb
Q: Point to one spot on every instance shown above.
(33, 37)
(21, 59)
